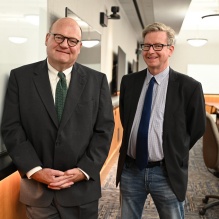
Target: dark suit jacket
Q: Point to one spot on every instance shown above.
(33, 136)
(184, 123)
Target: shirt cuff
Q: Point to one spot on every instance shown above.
(32, 171)
(87, 176)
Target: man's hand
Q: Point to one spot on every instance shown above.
(77, 174)
(55, 179)
(72, 176)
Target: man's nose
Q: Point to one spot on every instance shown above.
(64, 42)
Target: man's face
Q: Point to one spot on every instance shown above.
(157, 61)
(61, 55)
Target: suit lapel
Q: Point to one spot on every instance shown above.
(76, 86)
(136, 92)
(172, 95)
(41, 80)
(172, 91)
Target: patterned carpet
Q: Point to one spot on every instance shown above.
(201, 182)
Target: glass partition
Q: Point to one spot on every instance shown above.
(23, 30)
(89, 56)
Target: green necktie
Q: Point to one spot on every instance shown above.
(61, 91)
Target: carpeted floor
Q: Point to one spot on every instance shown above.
(201, 182)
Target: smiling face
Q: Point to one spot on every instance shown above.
(157, 61)
(60, 55)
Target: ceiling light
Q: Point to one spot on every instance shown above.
(211, 21)
(17, 40)
(90, 43)
(197, 42)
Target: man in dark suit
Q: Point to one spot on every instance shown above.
(176, 122)
(59, 161)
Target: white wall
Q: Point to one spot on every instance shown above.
(209, 83)
(185, 54)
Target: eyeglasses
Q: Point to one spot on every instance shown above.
(156, 47)
(60, 38)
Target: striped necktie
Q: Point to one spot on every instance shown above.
(61, 91)
(142, 137)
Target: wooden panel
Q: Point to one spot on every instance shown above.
(10, 207)
(116, 140)
(211, 98)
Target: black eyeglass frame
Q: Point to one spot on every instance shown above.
(152, 45)
(63, 39)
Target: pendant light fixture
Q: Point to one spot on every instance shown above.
(211, 20)
(197, 42)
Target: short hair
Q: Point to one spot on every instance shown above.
(155, 27)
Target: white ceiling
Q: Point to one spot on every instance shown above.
(196, 27)
(184, 16)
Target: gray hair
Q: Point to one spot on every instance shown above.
(155, 27)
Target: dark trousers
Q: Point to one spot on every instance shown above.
(55, 211)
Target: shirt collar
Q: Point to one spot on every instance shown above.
(54, 72)
(159, 77)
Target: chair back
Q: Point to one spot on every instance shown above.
(210, 109)
(211, 144)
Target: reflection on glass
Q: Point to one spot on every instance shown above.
(90, 43)
(89, 55)
(23, 29)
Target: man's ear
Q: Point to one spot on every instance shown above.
(171, 48)
(47, 37)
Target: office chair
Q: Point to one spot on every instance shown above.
(210, 109)
(211, 156)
